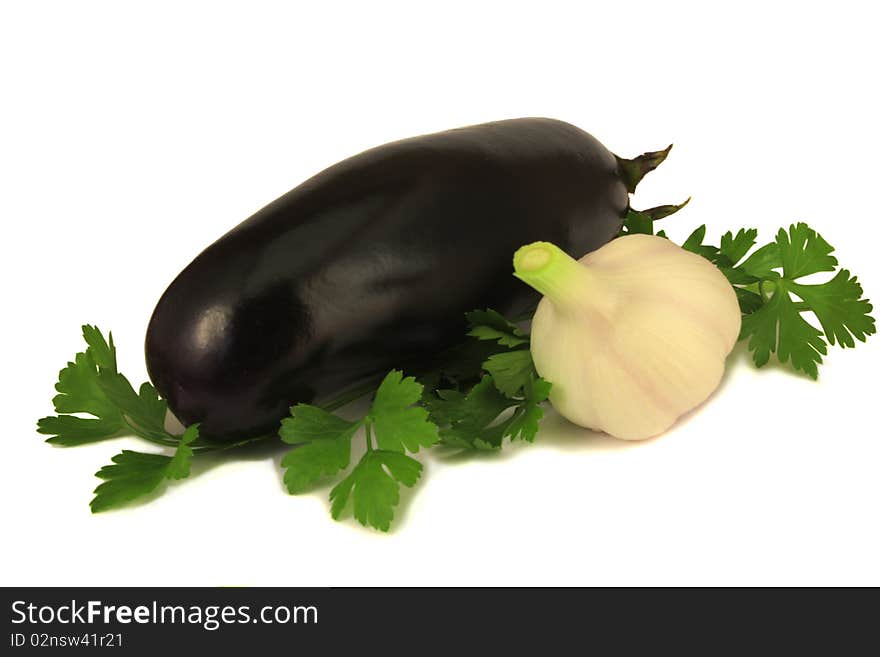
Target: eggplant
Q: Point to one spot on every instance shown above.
(371, 265)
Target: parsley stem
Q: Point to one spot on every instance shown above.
(369, 435)
(351, 395)
(767, 289)
(148, 435)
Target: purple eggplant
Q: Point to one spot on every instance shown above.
(371, 265)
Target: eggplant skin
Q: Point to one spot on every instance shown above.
(371, 265)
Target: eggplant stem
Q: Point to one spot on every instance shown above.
(632, 171)
(663, 211)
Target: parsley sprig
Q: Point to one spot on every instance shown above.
(324, 449)
(774, 300)
(481, 418)
(95, 402)
(90, 384)
(771, 296)
(406, 416)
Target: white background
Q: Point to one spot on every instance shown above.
(133, 134)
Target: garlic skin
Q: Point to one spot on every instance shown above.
(632, 335)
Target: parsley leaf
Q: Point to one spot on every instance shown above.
(638, 223)
(143, 408)
(373, 484)
(796, 337)
(766, 279)
(400, 425)
(511, 370)
(179, 466)
(504, 404)
(763, 261)
(310, 423)
(734, 248)
(461, 366)
(91, 385)
(749, 301)
(524, 424)
(839, 308)
(135, 474)
(492, 325)
(374, 487)
(694, 244)
(474, 421)
(325, 446)
(71, 431)
(778, 327)
(469, 416)
(102, 351)
(79, 391)
(803, 252)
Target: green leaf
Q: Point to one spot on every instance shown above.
(71, 431)
(153, 408)
(803, 252)
(135, 474)
(374, 487)
(491, 325)
(132, 475)
(461, 366)
(749, 302)
(475, 411)
(490, 333)
(763, 261)
(734, 248)
(91, 385)
(79, 391)
(737, 276)
(373, 484)
(102, 351)
(398, 424)
(309, 423)
(180, 463)
(638, 223)
(326, 449)
(524, 425)
(510, 371)
(839, 308)
(760, 328)
(694, 244)
(443, 406)
(798, 339)
(145, 409)
(474, 420)
(778, 327)
(311, 462)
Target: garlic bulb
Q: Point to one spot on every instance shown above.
(632, 335)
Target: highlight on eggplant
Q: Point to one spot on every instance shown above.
(372, 264)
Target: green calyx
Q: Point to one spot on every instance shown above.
(632, 171)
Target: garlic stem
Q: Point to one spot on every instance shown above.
(555, 274)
